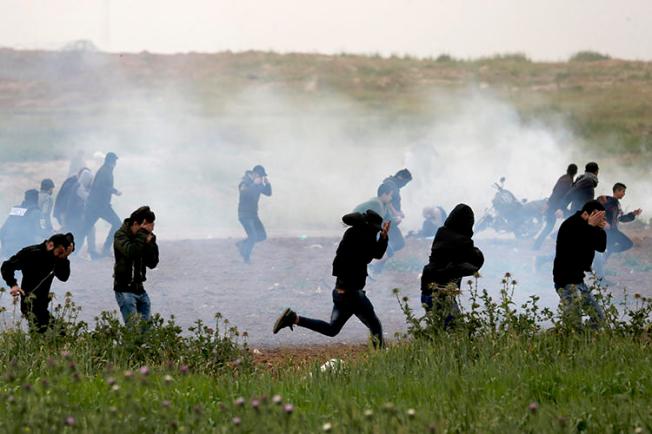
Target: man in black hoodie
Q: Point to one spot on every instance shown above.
(554, 203)
(39, 264)
(358, 247)
(135, 251)
(253, 184)
(583, 189)
(453, 256)
(580, 236)
(98, 205)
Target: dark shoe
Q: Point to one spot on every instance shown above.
(287, 319)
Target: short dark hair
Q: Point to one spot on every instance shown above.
(591, 167)
(592, 205)
(619, 186)
(385, 188)
(47, 184)
(62, 240)
(142, 214)
(572, 169)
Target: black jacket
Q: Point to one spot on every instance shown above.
(577, 242)
(39, 268)
(102, 190)
(453, 254)
(22, 228)
(583, 191)
(133, 255)
(358, 247)
(250, 195)
(561, 189)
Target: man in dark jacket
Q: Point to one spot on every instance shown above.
(253, 184)
(356, 250)
(554, 203)
(23, 226)
(616, 240)
(583, 189)
(39, 264)
(99, 206)
(453, 256)
(580, 236)
(135, 251)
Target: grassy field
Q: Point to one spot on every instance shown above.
(48, 100)
(498, 371)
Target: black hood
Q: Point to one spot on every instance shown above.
(31, 199)
(461, 220)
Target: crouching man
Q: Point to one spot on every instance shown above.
(580, 236)
(39, 264)
(135, 250)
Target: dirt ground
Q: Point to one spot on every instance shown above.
(198, 278)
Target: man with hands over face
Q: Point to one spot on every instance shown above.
(39, 264)
(580, 236)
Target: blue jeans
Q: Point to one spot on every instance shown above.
(255, 234)
(351, 302)
(131, 304)
(577, 297)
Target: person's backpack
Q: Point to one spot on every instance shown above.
(67, 190)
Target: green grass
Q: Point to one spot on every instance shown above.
(498, 371)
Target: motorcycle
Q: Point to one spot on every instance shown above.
(509, 214)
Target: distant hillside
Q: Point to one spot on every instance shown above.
(47, 98)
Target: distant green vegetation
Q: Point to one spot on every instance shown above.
(53, 100)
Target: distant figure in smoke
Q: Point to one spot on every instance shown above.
(554, 203)
(23, 225)
(394, 214)
(580, 236)
(379, 203)
(360, 244)
(253, 184)
(45, 204)
(453, 256)
(70, 206)
(39, 264)
(135, 251)
(99, 206)
(616, 240)
(433, 219)
(583, 189)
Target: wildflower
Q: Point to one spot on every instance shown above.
(638, 430)
(144, 371)
(533, 407)
(70, 421)
(167, 379)
(368, 414)
(255, 404)
(183, 369)
(388, 406)
(411, 412)
(198, 410)
(111, 381)
(514, 282)
(27, 387)
(637, 295)
(65, 354)
(128, 374)
(395, 291)
(236, 421)
(115, 387)
(288, 409)
(277, 399)
(45, 383)
(327, 427)
(508, 275)
(113, 410)
(245, 334)
(166, 404)
(405, 299)
(240, 402)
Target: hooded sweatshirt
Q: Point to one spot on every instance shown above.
(453, 254)
(358, 247)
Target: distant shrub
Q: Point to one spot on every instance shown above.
(588, 56)
(512, 57)
(445, 58)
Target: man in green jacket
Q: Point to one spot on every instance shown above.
(135, 250)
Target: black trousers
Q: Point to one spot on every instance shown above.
(551, 219)
(36, 312)
(107, 214)
(345, 305)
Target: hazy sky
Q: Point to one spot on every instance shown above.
(543, 29)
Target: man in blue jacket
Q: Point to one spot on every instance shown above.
(253, 184)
